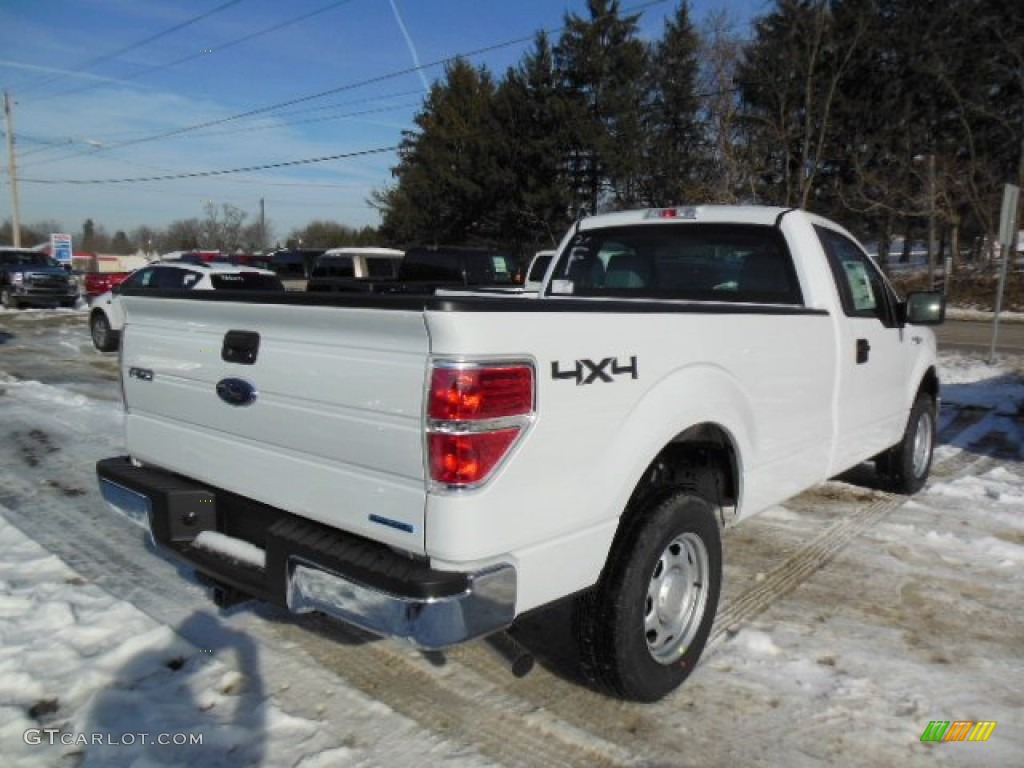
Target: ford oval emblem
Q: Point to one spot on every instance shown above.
(236, 391)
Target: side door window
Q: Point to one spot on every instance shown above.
(141, 279)
(336, 266)
(863, 290)
(174, 279)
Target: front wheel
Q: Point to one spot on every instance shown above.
(643, 626)
(908, 463)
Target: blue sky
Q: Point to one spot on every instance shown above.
(113, 89)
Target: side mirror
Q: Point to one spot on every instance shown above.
(925, 308)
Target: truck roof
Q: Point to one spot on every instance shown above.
(363, 251)
(733, 214)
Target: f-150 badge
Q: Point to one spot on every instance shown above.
(587, 371)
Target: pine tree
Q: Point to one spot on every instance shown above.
(601, 61)
(445, 191)
(531, 119)
(675, 161)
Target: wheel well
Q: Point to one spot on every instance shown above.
(930, 385)
(701, 459)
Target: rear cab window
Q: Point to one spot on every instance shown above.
(742, 263)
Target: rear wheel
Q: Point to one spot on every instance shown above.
(103, 338)
(643, 626)
(908, 463)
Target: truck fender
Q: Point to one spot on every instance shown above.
(694, 395)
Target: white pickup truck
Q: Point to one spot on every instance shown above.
(431, 467)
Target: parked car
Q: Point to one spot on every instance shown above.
(294, 263)
(337, 268)
(30, 277)
(458, 265)
(427, 269)
(95, 283)
(107, 316)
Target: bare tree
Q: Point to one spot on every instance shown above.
(721, 53)
(222, 226)
(790, 82)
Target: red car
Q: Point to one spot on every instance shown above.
(96, 283)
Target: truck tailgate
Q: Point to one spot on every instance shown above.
(327, 423)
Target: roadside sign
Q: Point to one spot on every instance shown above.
(1008, 216)
(1007, 236)
(60, 248)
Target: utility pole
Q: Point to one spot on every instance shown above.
(263, 228)
(12, 173)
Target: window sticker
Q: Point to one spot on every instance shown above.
(860, 286)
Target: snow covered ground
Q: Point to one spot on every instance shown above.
(850, 620)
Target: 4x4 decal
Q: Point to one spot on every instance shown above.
(587, 371)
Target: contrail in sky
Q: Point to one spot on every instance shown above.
(56, 71)
(412, 48)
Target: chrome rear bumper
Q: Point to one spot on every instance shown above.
(304, 566)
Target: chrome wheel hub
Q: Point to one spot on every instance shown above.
(676, 598)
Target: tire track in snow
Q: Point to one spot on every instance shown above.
(471, 705)
(815, 554)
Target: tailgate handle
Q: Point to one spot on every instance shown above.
(240, 347)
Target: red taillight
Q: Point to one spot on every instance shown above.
(465, 459)
(480, 393)
(475, 413)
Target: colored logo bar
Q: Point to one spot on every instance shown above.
(958, 730)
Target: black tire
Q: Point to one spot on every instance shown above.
(8, 300)
(637, 644)
(908, 463)
(104, 338)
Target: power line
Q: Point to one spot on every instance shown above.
(338, 89)
(52, 143)
(319, 95)
(203, 174)
(292, 102)
(114, 54)
(308, 120)
(204, 54)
